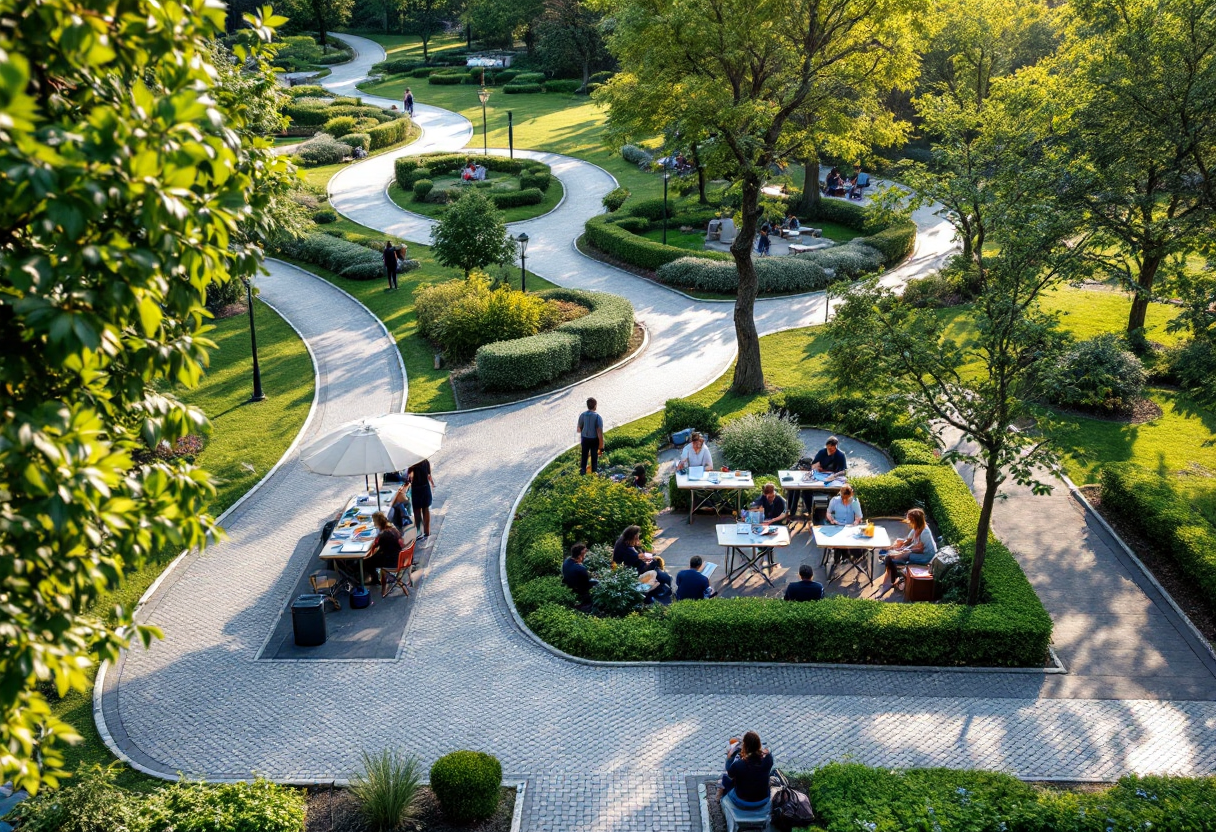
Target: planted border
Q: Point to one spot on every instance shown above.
(534, 177)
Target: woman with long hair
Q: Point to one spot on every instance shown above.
(918, 547)
(385, 549)
(748, 765)
(628, 550)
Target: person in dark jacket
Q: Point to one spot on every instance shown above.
(577, 576)
(628, 550)
(748, 765)
(390, 265)
(385, 549)
(807, 589)
(691, 584)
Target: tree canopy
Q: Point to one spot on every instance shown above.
(472, 234)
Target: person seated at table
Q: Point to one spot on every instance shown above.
(772, 504)
(806, 588)
(639, 479)
(399, 509)
(918, 547)
(628, 550)
(791, 223)
(691, 583)
(844, 509)
(386, 548)
(577, 576)
(860, 182)
(696, 454)
(469, 172)
(834, 186)
(748, 765)
(660, 582)
(830, 459)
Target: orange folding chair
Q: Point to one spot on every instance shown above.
(401, 576)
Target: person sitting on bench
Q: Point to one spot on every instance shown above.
(748, 765)
(805, 589)
(576, 576)
(628, 550)
(691, 583)
(918, 547)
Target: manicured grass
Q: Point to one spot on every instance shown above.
(319, 177)
(522, 212)
(692, 240)
(410, 46)
(246, 440)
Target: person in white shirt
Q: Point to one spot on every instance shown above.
(844, 510)
(696, 455)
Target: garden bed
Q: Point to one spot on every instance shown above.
(521, 188)
(336, 810)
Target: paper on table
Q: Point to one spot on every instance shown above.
(743, 528)
(696, 472)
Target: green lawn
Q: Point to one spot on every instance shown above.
(319, 177)
(246, 440)
(502, 182)
(692, 240)
(410, 46)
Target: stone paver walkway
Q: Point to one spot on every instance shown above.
(604, 748)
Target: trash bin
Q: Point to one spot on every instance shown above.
(308, 620)
(360, 598)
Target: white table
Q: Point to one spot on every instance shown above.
(357, 511)
(704, 492)
(803, 481)
(857, 549)
(759, 546)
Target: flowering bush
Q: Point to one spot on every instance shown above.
(761, 443)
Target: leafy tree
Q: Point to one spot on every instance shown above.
(472, 234)
(323, 15)
(424, 18)
(568, 38)
(744, 71)
(1144, 76)
(124, 180)
(496, 23)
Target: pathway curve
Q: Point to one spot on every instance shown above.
(604, 748)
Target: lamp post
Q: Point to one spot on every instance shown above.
(666, 176)
(484, 95)
(522, 239)
(258, 395)
(510, 135)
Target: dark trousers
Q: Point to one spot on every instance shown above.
(590, 447)
(392, 276)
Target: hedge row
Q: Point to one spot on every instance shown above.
(516, 88)
(601, 232)
(775, 275)
(389, 133)
(1154, 505)
(1011, 629)
(877, 421)
(514, 199)
(563, 85)
(441, 163)
(315, 115)
(339, 256)
(524, 363)
(440, 79)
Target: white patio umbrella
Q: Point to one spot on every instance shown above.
(392, 442)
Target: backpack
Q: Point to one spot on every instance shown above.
(790, 807)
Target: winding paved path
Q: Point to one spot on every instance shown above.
(603, 748)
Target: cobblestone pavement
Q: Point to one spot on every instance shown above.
(604, 748)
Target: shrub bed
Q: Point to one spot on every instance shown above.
(1010, 629)
(605, 332)
(321, 149)
(389, 133)
(616, 242)
(444, 79)
(1152, 504)
(775, 275)
(516, 88)
(343, 258)
(874, 420)
(563, 86)
(679, 414)
(513, 199)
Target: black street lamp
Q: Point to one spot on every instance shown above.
(666, 176)
(258, 395)
(510, 135)
(484, 95)
(522, 239)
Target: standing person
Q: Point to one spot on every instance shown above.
(763, 245)
(409, 102)
(390, 265)
(591, 435)
(421, 482)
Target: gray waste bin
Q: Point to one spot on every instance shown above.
(308, 620)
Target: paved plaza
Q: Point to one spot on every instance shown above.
(607, 747)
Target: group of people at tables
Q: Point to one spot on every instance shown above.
(790, 225)
(414, 491)
(918, 547)
(837, 185)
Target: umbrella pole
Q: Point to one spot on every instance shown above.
(365, 485)
(378, 492)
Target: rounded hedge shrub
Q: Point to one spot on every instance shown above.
(849, 261)
(635, 155)
(421, 188)
(353, 140)
(325, 216)
(1100, 374)
(761, 443)
(516, 88)
(524, 363)
(614, 199)
(467, 785)
(775, 275)
(322, 149)
(340, 126)
(679, 414)
(389, 133)
(651, 209)
(634, 225)
(563, 86)
(339, 256)
(1194, 367)
(444, 79)
(543, 556)
(514, 199)
(506, 76)
(530, 77)
(547, 589)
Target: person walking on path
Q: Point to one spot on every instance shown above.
(390, 265)
(591, 435)
(421, 482)
(409, 102)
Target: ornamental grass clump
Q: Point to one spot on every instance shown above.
(761, 443)
(467, 785)
(386, 789)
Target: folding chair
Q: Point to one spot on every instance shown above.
(402, 576)
(327, 584)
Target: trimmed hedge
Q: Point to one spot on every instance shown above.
(346, 259)
(606, 330)
(467, 785)
(539, 180)
(514, 199)
(1154, 505)
(524, 363)
(547, 589)
(874, 420)
(651, 209)
(389, 133)
(563, 86)
(774, 274)
(422, 187)
(516, 88)
(530, 77)
(614, 199)
(408, 168)
(445, 79)
(354, 140)
(637, 637)
(913, 452)
(616, 242)
(397, 66)
(679, 414)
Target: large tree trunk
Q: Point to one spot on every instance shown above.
(749, 374)
(586, 74)
(1144, 292)
(810, 186)
(696, 160)
(991, 484)
(426, 39)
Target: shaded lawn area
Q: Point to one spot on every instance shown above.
(429, 389)
(410, 46)
(552, 196)
(242, 434)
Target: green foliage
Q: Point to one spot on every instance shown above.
(634, 225)
(467, 785)
(1194, 367)
(525, 363)
(633, 638)
(543, 556)
(90, 802)
(617, 593)
(307, 91)
(479, 315)
(563, 86)
(651, 209)
(343, 258)
(679, 414)
(1152, 503)
(397, 66)
(132, 184)
(538, 181)
(325, 216)
(895, 242)
(596, 510)
(775, 274)
(422, 187)
(517, 88)
(606, 330)
(353, 140)
(389, 133)
(471, 234)
(445, 79)
(340, 126)
(849, 261)
(321, 149)
(635, 155)
(616, 242)
(537, 592)
(514, 199)
(386, 789)
(876, 419)
(762, 443)
(1100, 374)
(614, 199)
(913, 452)
(260, 806)
(530, 77)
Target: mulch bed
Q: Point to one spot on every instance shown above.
(336, 810)
(1143, 410)
(1165, 569)
(469, 393)
(230, 310)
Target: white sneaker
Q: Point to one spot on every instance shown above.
(421, 538)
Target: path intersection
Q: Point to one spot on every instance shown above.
(606, 747)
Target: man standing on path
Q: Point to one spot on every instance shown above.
(591, 433)
(390, 265)
(409, 102)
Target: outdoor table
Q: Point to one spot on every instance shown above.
(341, 557)
(705, 491)
(360, 509)
(804, 482)
(859, 550)
(759, 546)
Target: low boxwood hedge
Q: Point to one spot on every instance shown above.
(442, 164)
(601, 232)
(397, 66)
(547, 589)
(389, 133)
(339, 256)
(913, 452)
(562, 85)
(444, 79)
(516, 88)
(605, 332)
(530, 77)
(774, 274)
(539, 180)
(1154, 505)
(514, 199)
